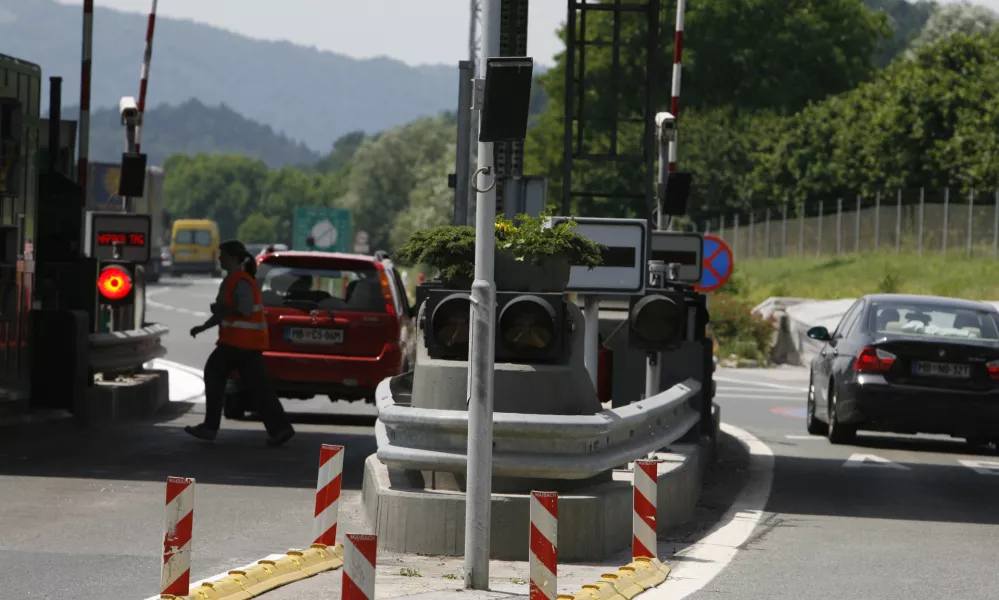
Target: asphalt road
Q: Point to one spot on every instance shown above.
(81, 512)
(890, 517)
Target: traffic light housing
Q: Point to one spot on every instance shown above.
(116, 284)
(530, 328)
(658, 321)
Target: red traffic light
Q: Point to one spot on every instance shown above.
(114, 283)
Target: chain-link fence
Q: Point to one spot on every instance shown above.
(922, 220)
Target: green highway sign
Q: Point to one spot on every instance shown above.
(328, 227)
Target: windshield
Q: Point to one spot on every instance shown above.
(199, 237)
(356, 289)
(933, 320)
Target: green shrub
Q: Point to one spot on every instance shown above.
(737, 330)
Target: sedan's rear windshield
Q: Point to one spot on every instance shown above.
(356, 289)
(933, 320)
(200, 237)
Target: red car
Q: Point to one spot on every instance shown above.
(339, 324)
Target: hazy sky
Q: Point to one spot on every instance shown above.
(413, 31)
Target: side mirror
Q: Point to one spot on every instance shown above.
(819, 333)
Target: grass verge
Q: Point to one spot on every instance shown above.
(853, 275)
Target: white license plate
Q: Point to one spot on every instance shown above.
(935, 369)
(313, 335)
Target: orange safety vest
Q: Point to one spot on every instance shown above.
(239, 331)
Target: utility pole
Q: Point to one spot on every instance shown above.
(481, 354)
(474, 20)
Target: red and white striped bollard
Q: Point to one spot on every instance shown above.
(328, 494)
(175, 577)
(681, 6)
(646, 478)
(544, 546)
(359, 567)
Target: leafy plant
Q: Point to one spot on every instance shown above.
(737, 329)
(535, 238)
(451, 248)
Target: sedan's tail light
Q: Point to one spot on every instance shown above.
(993, 368)
(873, 360)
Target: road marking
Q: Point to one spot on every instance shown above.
(710, 555)
(186, 383)
(872, 460)
(805, 437)
(790, 411)
(186, 311)
(755, 395)
(775, 386)
(982, 467)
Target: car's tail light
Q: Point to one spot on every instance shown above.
(873, 360)
(993, 368)
(386, 290)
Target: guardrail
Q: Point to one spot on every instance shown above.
(534, 446)
(125, 350)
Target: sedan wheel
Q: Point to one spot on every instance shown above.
(814, 426)
(838, 433)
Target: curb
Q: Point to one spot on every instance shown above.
(624, 584)
(265, 575)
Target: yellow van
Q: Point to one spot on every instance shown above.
(194, 247)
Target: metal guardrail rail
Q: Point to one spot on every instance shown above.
(534, 446)
(124, 350)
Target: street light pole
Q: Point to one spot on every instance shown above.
(481, 351)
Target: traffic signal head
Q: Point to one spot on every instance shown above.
(530, 328)
(115, 284)
(657, 321)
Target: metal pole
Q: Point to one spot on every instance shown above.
(877, 220)
(801, 228)
(473, 55)
(995, 228)
(667, 158)
(839, 226)
(84, 126)
(131, 146)
(591, 336)
(55, 122)
(898, 223)
(946, 224)
(653, 370)
(971, 213)
(783, 231)
(766, 236)
(856, 229)
(463, 154)
(922, 214)
(821, 211)
(481, 351)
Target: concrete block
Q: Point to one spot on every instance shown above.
(595, 522)
(134, 397)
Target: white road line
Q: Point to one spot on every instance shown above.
(982, 467)
(873, 460)
(758, 394)
(709, 556)
(776, 386)
(805, 437)
(186, 383)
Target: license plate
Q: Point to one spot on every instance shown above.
(935, 369)
(313, 335)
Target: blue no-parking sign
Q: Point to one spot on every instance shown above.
(717, 263)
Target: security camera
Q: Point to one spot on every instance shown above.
(129, 110)
(665, 125)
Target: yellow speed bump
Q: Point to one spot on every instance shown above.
(266, 575)
(601, 590)
(646, 573)
(624, 582)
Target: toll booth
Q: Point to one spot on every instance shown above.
(20, 93)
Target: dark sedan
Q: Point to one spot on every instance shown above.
(908, 364)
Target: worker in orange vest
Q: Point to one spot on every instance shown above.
(239, 313)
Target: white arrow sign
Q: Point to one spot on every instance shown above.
(872, 460)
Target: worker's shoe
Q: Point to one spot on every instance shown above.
(202, 432)
(280, 438)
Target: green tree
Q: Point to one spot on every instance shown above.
(929, 121)
(960, 17)
(772, 55)
(258, 229)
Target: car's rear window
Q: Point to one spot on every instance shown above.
(933, 320)
(200, 237)
(354, 288)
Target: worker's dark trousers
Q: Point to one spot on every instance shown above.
(253, 374)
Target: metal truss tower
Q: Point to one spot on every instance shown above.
(596, 136)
